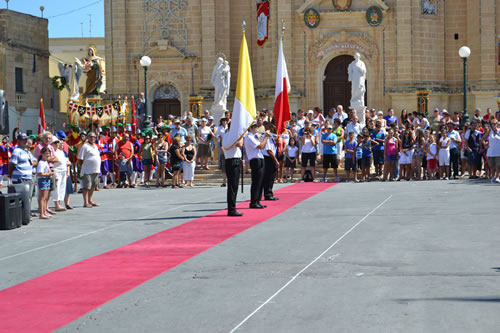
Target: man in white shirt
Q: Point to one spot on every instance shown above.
(253, 148)
(89, 160)
(300, 118)
(340, 114)
(454, 136)
(232, 154)
(354, 127)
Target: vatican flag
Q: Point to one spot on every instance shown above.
(244, 110)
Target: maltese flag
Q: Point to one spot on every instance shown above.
(281, 105)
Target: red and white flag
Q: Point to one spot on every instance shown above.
(262, 23)
(41, 119)
(281, 104)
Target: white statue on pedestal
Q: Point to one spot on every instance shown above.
(72, 74)
(357, 76)
(221, 80)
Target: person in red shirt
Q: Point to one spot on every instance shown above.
(4, 158)
(126, 150)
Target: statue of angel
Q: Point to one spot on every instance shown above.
(71, 73)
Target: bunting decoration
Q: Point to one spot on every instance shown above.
(104, 114)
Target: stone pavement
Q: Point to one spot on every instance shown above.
(372, 257)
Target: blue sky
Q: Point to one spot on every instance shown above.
(65, 16)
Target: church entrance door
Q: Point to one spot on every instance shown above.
(336, 86)
(166, 102)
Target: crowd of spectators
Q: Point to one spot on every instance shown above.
(385, 148)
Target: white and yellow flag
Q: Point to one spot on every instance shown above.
(244, 110)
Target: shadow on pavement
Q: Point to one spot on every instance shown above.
(451, 299)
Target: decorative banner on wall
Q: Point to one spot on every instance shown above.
(342, 5)
(262, 23)
(374, 16)
(103, 114)
(311, 18)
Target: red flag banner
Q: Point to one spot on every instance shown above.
(134, 117)
(41, 119)
(262, 23)
(281, 104)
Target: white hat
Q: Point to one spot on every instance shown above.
(54, 139)
(310, 111)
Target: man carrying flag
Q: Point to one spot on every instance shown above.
(244, 112)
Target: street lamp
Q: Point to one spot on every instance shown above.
(145, 63)
(464, 53)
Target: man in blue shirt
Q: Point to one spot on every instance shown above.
(329, 141)
(178, 129)
(21, 163)
(390, 119)
(378, 151)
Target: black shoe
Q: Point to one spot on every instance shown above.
(271, 199)
(223, 185)
(257, 205)
(235, 213)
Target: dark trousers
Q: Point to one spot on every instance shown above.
(454, 161)
(233, 167)
(257, 166)
(269, 176)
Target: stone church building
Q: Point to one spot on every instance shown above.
(410, 48)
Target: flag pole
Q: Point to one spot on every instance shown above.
(243, 27)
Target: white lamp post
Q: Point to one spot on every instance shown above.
(464, 53)
(145, 63)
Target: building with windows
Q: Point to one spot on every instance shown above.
(24, 68)
(410, 48)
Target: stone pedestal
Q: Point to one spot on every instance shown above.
(360, 111)
(217, 112)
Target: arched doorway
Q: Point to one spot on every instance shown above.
(336, 86)
(166, 102)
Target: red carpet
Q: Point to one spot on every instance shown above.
(50, 301)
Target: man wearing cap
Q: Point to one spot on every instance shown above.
(178, 129)
(253, 148)
(271, 165)
(232, 166)
(191, 129)
(329, 141)
(21, 163)
(435, 120)
(454, 136)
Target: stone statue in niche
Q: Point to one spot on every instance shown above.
(221, 80)
(357, 76)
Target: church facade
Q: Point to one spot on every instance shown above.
(410, 48)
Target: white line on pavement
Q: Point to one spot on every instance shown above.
(98, 230)
(306, 267)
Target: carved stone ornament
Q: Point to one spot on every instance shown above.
(343, 43)
(342, 5)
(166, 92)
(164, 16)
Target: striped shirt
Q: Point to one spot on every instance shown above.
(23, 168)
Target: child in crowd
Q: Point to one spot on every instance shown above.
(432, 157)
(444, 154)
(366, 159)
(351, 146)
(418, 153)
(406, 159)
(43, 175)
(123, 170)
(391, 155)
(291, 156)
(359, 153)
